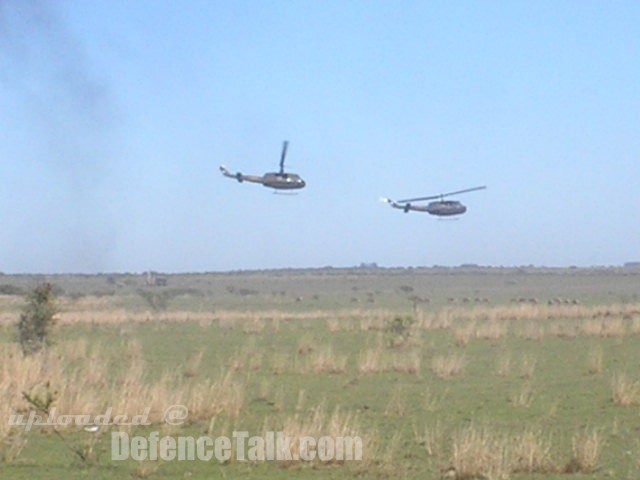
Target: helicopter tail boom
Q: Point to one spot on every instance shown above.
(240, 177)
(394, 204)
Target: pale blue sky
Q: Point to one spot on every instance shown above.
(115, 115)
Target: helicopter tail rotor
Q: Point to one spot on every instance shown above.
(406, 207)
(238, 176)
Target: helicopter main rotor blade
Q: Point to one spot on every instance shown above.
(464, 191)
(433, 197)
(284, 154)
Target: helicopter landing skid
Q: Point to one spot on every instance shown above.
(454, 219)
(277, 192)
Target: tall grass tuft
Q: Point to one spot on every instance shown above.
(586, 448)
(478, 453)
(532, 453)
(625, 392)
(317, 423)
(326, 361)
(595, 360)
(528, 366)
(504, 365)
(193, 364)
(448, 366)
(370, 361)
(523, 397)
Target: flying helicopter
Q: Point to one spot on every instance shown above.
(440, 208)
(279, 180)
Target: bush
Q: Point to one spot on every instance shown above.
(400, 329)
(37, 319)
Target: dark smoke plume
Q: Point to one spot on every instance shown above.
(68, 114)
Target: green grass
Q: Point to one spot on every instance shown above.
(413, 416)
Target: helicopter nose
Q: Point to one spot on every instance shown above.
(301, 182)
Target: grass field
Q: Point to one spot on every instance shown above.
(443, 373)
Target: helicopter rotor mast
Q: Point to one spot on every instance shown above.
(285, 145)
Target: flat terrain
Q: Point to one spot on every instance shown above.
(464, 373)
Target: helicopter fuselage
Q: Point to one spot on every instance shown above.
(446, 208)
(441, 208)
(282, 181)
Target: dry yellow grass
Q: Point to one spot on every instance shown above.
(463, 334)
(431, 438)
(532, 452)
(448, 366)
(634, 329)
(625, 392)
(432, 402)
(492, 330)
(246, 359)
(324, 360)
(370, 361)
(595, 360)
(91, 388)
(193, 364)
(532, 330)
(405, 362)
(338, 425)
(612, 317)
(377, 360)
(528, 366)
(586, 447)
(254, 325)
(397, 405)
(101, 310)
(480, 453)
(523, 397)
(281, 363)
(503, 366)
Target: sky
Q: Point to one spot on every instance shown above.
(115, 115)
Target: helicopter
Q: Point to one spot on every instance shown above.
(278, 180)
(440, 208)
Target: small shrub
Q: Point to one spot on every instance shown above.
(37, 319)
(400, 329)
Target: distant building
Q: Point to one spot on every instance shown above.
(368, 265)
(154, 280)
